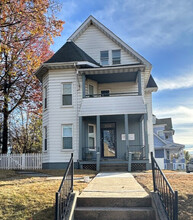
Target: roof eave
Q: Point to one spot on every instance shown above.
(46, 66)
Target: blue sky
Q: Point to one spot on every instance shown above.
(162, 32)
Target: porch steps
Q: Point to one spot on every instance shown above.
(114, 196)
(114, 209)
(114, 167)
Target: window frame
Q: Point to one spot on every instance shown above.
(67, 149)
(64, 83)
(45, 102)
(45, 138)
(94, 129)
(116, 57)
(104, 59)
(90, 95)
(159, 132)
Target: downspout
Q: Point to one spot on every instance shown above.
(77, 106)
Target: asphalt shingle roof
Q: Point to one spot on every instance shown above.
(151, 83)
(70, 52)
(167, 121)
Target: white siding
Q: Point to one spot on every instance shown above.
(45, 155)
(92, 41)
(148, 102)
(60, 115)
(112, 106)
(122, 87)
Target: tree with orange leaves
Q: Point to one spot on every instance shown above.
(27, 28)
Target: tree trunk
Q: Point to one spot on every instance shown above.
(5, 109)
(5, 129)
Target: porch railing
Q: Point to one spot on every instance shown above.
(111, 94)
(167, 195)
(64, 193)
(89, 153)
(137, 151)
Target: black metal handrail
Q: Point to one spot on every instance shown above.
(111, 94)
(64, 193)
(167, 195)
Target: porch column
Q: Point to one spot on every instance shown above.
(141, 133)
(126, 135)
(80, 137)
(83, 85)
(98, 141)
(139, 83)
(146, 137)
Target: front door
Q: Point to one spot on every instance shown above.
(108, 136)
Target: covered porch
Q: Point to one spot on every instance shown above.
(113, 139)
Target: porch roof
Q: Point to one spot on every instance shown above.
(112, 106)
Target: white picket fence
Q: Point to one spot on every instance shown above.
(21, 161)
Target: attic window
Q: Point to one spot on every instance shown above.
(104, 57)
(116, 57)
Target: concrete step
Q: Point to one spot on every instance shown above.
(113, 202)
(114, 167)
(114, 213)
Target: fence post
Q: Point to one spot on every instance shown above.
(153, 172)
(23, 162)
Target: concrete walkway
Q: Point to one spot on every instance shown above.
(114, 185)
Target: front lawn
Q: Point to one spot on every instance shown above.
(23, 197)
(181, 182)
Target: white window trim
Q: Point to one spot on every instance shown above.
(112, 57)
(90, 84)
(108, 57)
(66, 106)
(160, 131)
(45, 88)
(44, 137)
(94, 149)
(67, 150)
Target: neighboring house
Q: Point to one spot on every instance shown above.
(168, 154)
(97, 94)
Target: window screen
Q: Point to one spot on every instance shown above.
(67, 136)
(67, 94)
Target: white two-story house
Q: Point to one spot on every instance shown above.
(97, 94)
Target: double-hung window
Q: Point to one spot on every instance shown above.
(116, 57)
(67, 94)
(91, 137)
(91, 90)
(45, 138)
(45, 97)
(67, 136)
(104, 57)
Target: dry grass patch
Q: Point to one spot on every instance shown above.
(181, 182)
(27, 198)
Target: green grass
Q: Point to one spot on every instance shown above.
(22, 197)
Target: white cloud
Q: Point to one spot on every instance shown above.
(179, 81)
(148, 23)
(182, 120)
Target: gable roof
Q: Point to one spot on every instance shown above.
(151, 83)
(167, 121)
(91, 20)
(70, 52)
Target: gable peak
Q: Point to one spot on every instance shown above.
(93, 21)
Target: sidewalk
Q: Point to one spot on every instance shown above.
(114, 185)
